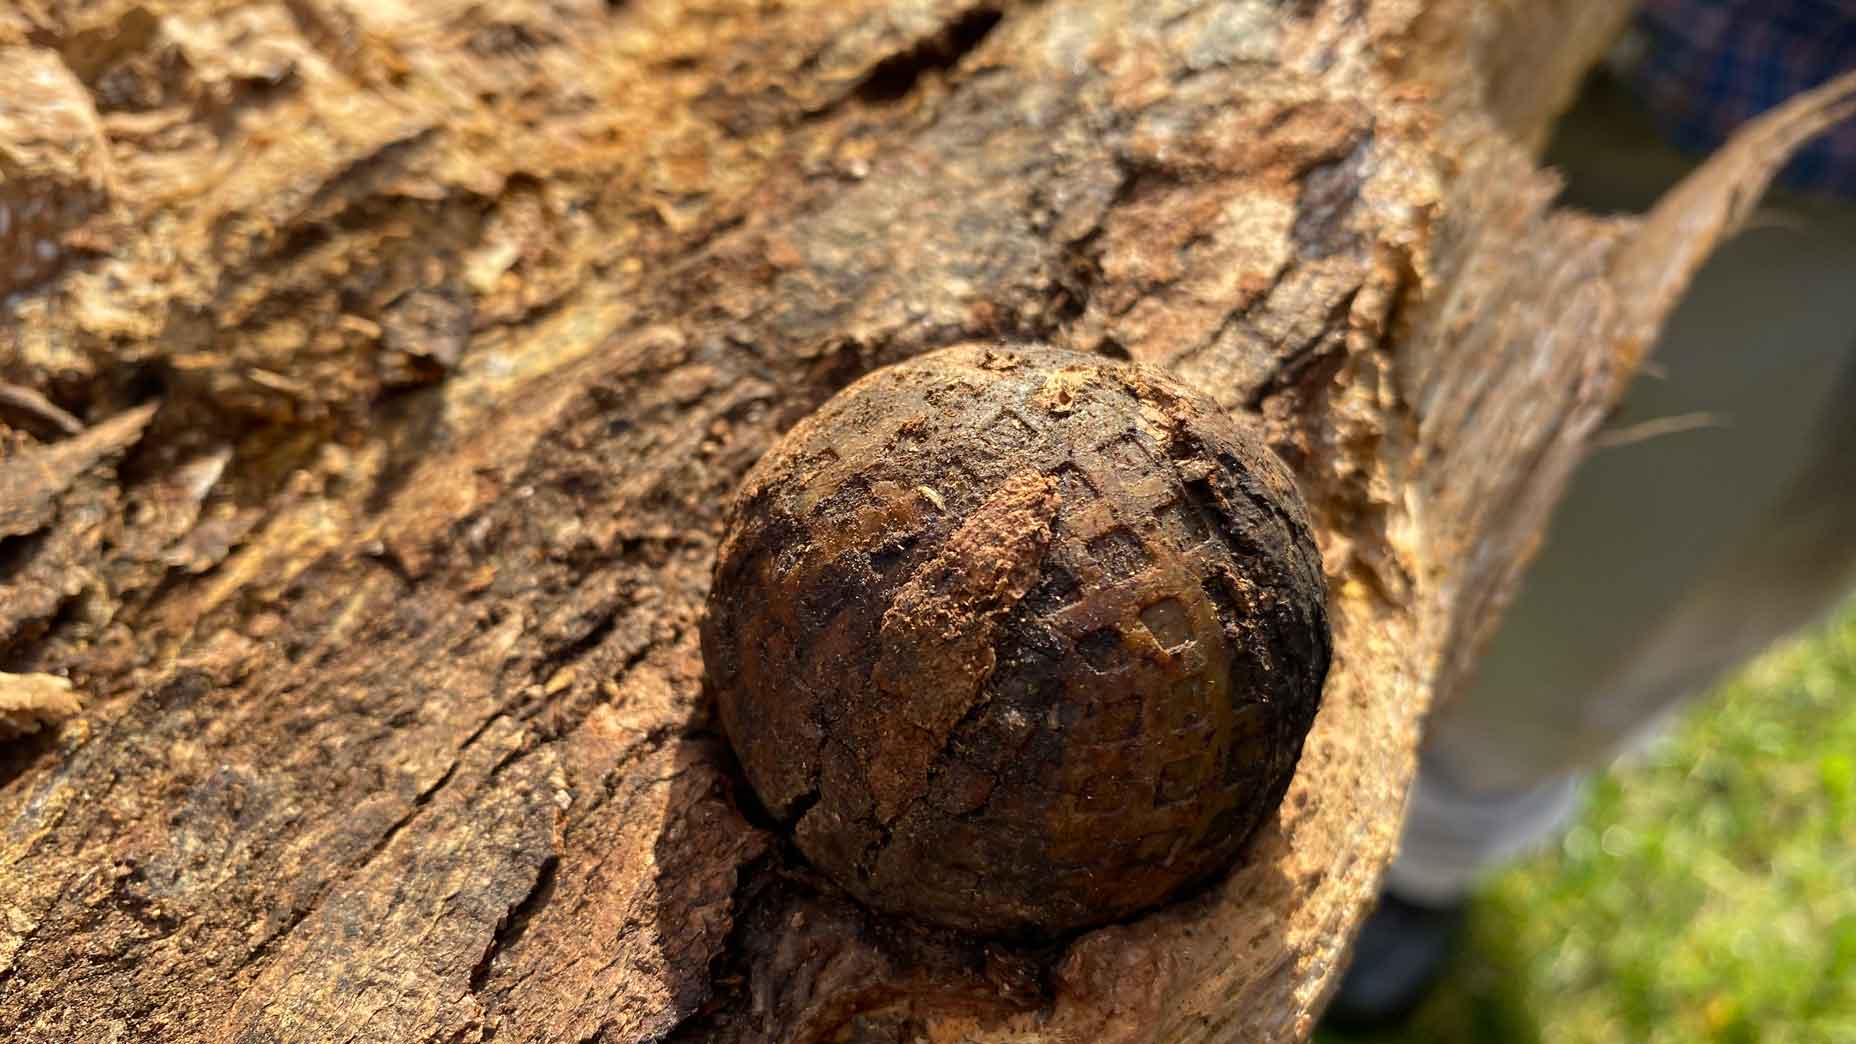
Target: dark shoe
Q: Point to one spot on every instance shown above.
(1402, 952)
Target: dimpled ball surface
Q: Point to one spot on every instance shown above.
(1018, 641)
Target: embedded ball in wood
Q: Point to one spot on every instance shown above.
(1018, 641)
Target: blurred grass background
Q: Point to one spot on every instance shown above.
(1708, 892)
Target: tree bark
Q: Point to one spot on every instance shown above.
(373, 388)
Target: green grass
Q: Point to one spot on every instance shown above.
(1708, 892)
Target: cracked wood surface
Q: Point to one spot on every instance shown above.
(370, 412)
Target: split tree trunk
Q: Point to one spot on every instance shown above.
(374, 375)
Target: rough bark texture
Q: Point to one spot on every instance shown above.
(373, 390)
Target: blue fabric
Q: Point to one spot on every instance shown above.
(1709, 65)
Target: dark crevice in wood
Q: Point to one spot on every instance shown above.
(740, 795)
(1114, 349)
(419, 803)
(574, 714)
(18, 650)
(1312, 364)
(18, 551)
(19, 754)
(516, 921)
(895, 78)
(729, 976)
(556, 659)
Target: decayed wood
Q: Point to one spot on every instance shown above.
(372, 407)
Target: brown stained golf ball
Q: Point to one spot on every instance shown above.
(1017, 640)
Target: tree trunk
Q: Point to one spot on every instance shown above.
(374, 374)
